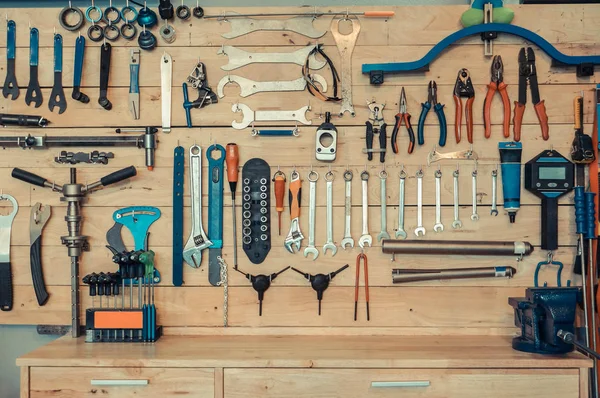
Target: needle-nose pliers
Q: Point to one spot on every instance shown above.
(439, 110)
(400, 116)
(496, 85)
(464, 89)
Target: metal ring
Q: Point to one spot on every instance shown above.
(247, 240)
(419, 173)
(329, 176)
(95, 33)
(263, 181)
(183, 12)
(438, 174)
(311, 174)
(128, 9)
(89, 11)
(247, 197)
(246, 222)
(246, 189)
(128, 27)
(263, 203)
(63, 15)
(167, 32)
(263, 195)
(383, 174)
(247, 206)
(264, 237)
(263, 219)
(198, 12)
(247, 214)
(263, 228)
(246, 231)
(112, 10)
(263, 210)
(348, 175)
(116, 33)
(246, 181)
(263, 188)
(364, 175)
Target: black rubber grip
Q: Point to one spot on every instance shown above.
(37, 275)
(382, 142)
(119, 175)
(6, 294)
(369, 139)
(28, 177)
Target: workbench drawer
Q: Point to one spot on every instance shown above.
(409, 383)
(121, 382)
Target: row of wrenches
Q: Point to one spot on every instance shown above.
(366, 239)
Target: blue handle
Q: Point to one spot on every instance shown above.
(215, 195)
(580, 216)
(178, 176)
(79, 52)
(439, 111)
(134, 78)
(558, 273)
(34, 47)
(11, 39)
(58, 53)
(275, 133)
(425, 107)
(187, 106)
(138, 220)
(590, 216)
(510, 167)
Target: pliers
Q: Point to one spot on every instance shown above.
(528, 73)
(400, 116)
(464, 89)
(439, 111)
(377, 126)
(496, 84)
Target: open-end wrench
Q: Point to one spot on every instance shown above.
(345, 44)
(239, 58)
(494, 210)
(249, 87)
(34, 92)
(330, 244)
(400, 232)
(384, 233)
(166, 78)
(456, 223)
(6, 293)
(250, 116)
(294, 237)
(365, 238)
(474, 216)
(302, 25)
(420, 230)
(11, 87)
(348, 241)
(313, 176)
(57, 97)
(438, 227)
(198, 241)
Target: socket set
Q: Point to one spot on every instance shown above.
(256, 215)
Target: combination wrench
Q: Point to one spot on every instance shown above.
(438, 227)
(348, 241)
(365, 238)
(456, 223)
(384, 233)
(198, 241)
(474, 216)
(313, 176)
(401, 233)
(330, 244)
(420, 230)
(494, 210)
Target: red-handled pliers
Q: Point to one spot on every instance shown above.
(496, 84)
(464, 89)
(400, 116)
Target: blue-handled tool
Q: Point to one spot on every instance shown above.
(11, 87)
(178, 184)
(215, 211)
(34, 92)
(510, 166)
(57, 97)
(138, 220)
(275, 133)
(439, 111)
(78, 71)
(134, 84)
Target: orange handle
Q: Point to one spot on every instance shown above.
(279, 182)
(232, 158)
(295, 194)
(578, 110)
(487, 106)
(379, 14)
(506, 103)
(469, 118)
(518, 120)
(540, 110)
(457, 118)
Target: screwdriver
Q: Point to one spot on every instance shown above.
(232, 158)
(279, 182)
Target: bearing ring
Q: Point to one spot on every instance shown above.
(126, 10)
(198, 12)
(63, 15)
(95, 33)
(111, 32)
(183, 12)
(88, 14)
(128, 27)
(112, 10)
(167, 32)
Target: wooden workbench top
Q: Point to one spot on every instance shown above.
(301, 352)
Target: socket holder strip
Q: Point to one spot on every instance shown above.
(256, 206)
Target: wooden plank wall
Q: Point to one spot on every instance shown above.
(457, 307)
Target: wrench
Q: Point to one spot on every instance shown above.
(474, 216)
(11, 87)
(198, 241)
(345, 45)
(365, 238)
(420, 230)
(302, 25)
(456, 223)
(438, 227)
(401, 233)
(313, 176)
(6, 295)
(57, 96)
(250, 116)
(494, 210)
(384, 233)
(34, 92)
(239, 58)
(348, 241)
(294, 237)
(249, 87)
(329, 245)
(166, 77)
(435, 156)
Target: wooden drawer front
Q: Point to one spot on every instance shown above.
(121, 382)
(357, 383)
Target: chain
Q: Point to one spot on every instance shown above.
(225, 285)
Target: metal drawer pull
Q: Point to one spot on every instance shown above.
(398, 384)
(119, 382)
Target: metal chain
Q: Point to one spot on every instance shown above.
(225, 285)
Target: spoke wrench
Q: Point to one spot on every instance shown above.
(330, 244)
(34, 92)
(11, 87)
(348, 241)
(57, 97)
(313, 176)
(6, 294)
(365, 238)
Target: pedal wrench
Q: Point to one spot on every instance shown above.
(313, 176)
(34, 92)
(456, 223)
(239, 58)
(6, 292)
(494, 209)
(345, 44)
(198, 241)
(215, 212)
(438, 227)
(330, 244)
(302, 25)
(401, 233)
(384, 233)
(348, 241)
(11, 87)
(250, 116)
(38, 220)
(474, 216)
(365, 238)
(105, 55)
(249, 87)
(420, 230)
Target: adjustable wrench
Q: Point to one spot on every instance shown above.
(384, 233)
(34, 92)
(6, 296)
(348, 241)
(456, 223)
(294, 237)
(438, 227)
(250, 116)
(57, 97)
(313, 176)
(494, 210)
(198, 241)
(166, 77)
(11, 87)
(474, 216)
(330, 244)
(420, 230)
(345, 44)
(401, 233)
(365, 238)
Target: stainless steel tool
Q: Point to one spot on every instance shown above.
(400, 232)
(365, 239)
(239, 58)
(243, 25)
(456, 223)
(348, 241)
(250, 116)
(249, 87)
(166, 78)
(420, 230)
(435, 156)
(345, 45)
(382, 181)
(313, 176)
(438, 227)
(330, 244)
(494, 209)
(474, 216)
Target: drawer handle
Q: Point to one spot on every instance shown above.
(399, 384)
(121, 383)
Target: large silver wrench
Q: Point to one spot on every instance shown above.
(384, 233)
(249, 87)
(348, 241)
(438, 227)
(250, 116)
(401, 233)
(6, 296)
(494, 209)
(330, 244)
(474, 216)
(198, 241)
(313, 176)
(239, 58)
(302, 25)
(166, 77)
(456, 223)
(365, 238)
(420, 230)
(345, 45)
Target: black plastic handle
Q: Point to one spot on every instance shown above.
(369, 139)
(37, 275)
(119, 175)
(6, 293)
(28, 177)
(550, 223)
(382, 142)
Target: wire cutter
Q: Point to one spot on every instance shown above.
(528, 74)
(496, 85)
(400, 116)
(464, 89)
(439, 111)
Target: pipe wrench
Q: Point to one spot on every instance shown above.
(6, 295)
(134, 84)
(39, 218)
(294, 237)
(215, 212)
